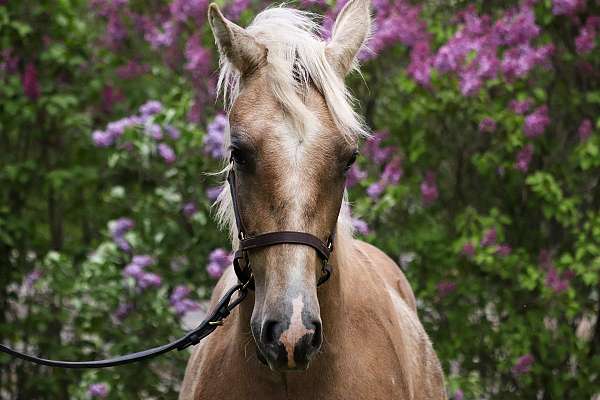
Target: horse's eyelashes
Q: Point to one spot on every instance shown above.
(352, 160)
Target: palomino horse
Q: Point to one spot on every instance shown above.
(293, 134)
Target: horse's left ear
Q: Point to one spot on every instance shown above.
(234, 42)
(350, 32)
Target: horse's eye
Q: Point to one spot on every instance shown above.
(238, 156)
(351, 160)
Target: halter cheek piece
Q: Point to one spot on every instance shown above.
(241, 262)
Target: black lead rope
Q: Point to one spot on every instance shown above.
(215, 319)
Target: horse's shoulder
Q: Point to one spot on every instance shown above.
(387, 271)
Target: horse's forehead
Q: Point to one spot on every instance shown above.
(258, 116)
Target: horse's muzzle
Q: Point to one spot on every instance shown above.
(289, 345)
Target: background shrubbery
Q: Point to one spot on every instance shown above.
(481, 181)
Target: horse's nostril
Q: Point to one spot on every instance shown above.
(317, 336)
(270, 332)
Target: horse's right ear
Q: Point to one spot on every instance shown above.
(350, 32)
(240, 48)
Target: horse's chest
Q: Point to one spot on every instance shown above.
(370, 378)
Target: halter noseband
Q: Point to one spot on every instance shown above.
(241, 262)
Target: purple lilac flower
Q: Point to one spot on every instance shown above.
(444, 288)
(536, 122)
(116, 32)
(173, 132)
(113, 131)
(585, 129)
(429, 189)
(586, 40)
(122, 311)
(116, 128)
(143, 260)
(468, 250)
(487, 64)
(236, 8)
(458, 395)
(98, 390)
(154, 131)
(180, 302)
(213, 192)
(149, 279)
(374, 150)
(518, 61)
(487, 125)
(450, 56)
(150, 108)
(215, 137)
(164, 37)
(517, 27)
(189, 209)
(395, 22)
(558, 282)
(121, 226)
(523, 364)
(122, 244)
(420, 63)
(503, 250)
(118, 229)
(565, 7)
(184, 306)
(198, 58)
(218, 260)
(489, 238)
(180, 292)
(520, 106)
(181, 10)
(355, 175)
(524, 157)
(102, 139)
(375, 190)
(167, 153)
(133, 271)
(470, 82)
(360, 226)
(392, 172)
(480, 36)
(31, 86)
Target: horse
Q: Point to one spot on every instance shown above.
(293, 134)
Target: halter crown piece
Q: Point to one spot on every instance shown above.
(241, 262)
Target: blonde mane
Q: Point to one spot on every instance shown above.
(295, 60)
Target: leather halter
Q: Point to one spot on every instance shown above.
(241, 262)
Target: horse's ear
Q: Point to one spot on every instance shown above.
(350, 32)
(240, 48)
